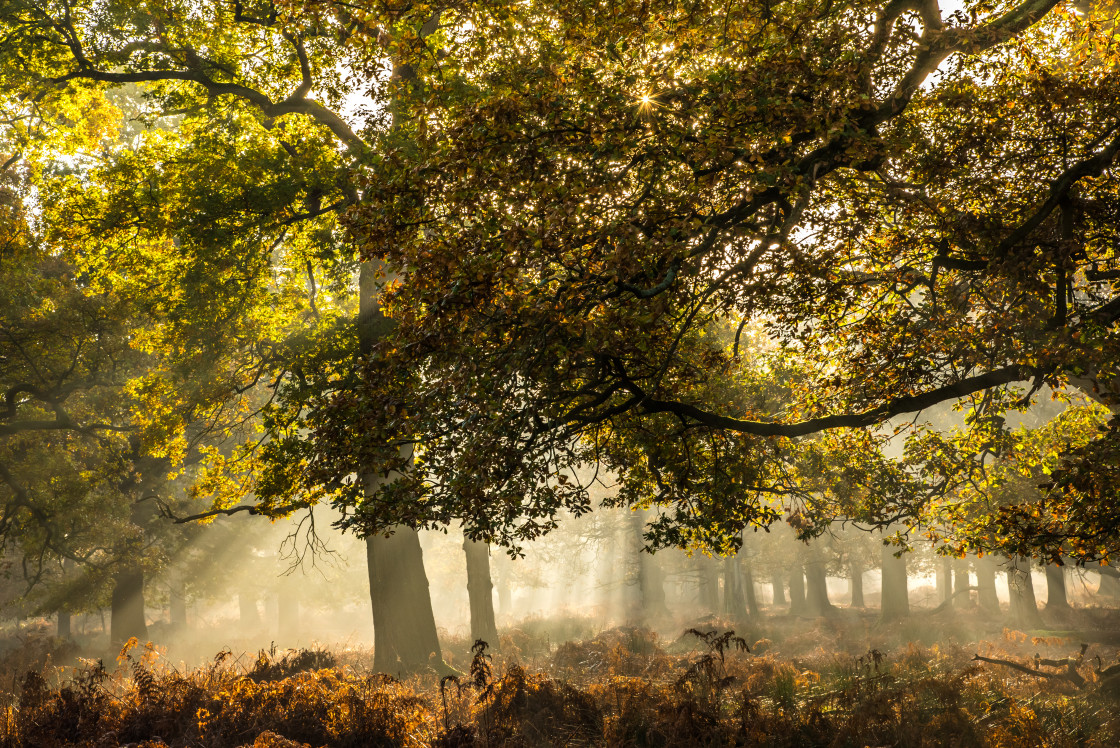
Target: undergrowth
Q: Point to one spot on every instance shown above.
(621, 688)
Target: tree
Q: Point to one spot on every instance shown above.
(915, 207)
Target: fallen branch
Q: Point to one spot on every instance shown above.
(1070, 664)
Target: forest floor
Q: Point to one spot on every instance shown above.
(846, 680)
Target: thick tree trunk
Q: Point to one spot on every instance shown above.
(1110, 583)
(404, 626)
(1020, 588)
(986, 596)
(63, 630)
(797, 601)
(126, 618)
(895, 601)
(734, 598)
(779, 587)
(816, 585)
(480, 591)
(1056, 599)
(856, 571)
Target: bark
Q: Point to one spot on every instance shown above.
(895, 602)
(779, 587)
(816, 586)
(480, 591)
(126, 618)
(1020, 587)
(797, 601)
(856, 570)
(404, 627)
(986, 596)
(1056, 599)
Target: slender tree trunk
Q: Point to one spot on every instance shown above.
(651, 578)
(63, 630)
(944, 580)
(126, 618)
(480, 591)
(1056, 599)
(707, 585)
(895, 601)
(961, 582)
(779, 587)
(748, 586)
(986, 596)
(797, 602)
(856, 571)
(1020, 588)
(404, 626)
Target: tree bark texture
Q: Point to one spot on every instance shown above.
(734, 598)
(797, 602)
(961, 582)
(404, 626)
(779, 587)
(748, 587)
(986, 596)
(480, 591)
(1020, 589)
(1056, 598)
(816, 585)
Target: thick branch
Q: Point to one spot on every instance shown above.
(898, 406)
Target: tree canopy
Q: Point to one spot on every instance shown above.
(714, 251)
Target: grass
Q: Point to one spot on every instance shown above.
(790, 683)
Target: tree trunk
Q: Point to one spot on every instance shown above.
(707, 585)
(1020, 588)
(480, 591)
(779, 587)
(797, 602)
(1056, 599)
(816, 586)
(404, 626)
(651, 578)
(895, 601)
(126, 619)
(944, 580)
(856, 571)
(63, 631)
(986, 596)
(748, 587)
(734, 599)
(1110, 583)
(961, 582)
